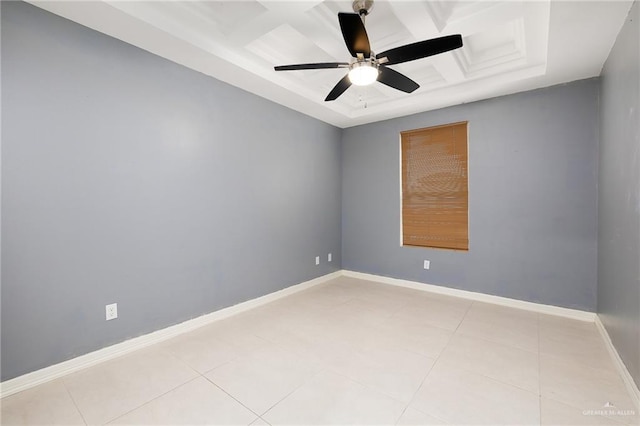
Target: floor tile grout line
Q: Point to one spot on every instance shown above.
(466, 312)
(150, 401)
(496, 380)
(414, 394)
(493, 379)
(75, 404)
(435, 361)
(279, 346)
(364, 385)
(169, 353)
(231, 396)
(468, 371)
(367, 386)
(495, 342)
(308, 380)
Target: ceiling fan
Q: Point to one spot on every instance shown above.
(365, 67)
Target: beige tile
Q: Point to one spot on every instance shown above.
(328, 352)
(234, 333)
(328, 296)
(311, 325)
(333, 399)
(260, 422)
(109, 390)
(500, 362)
(335, 333)
(424, 340)
(372, 290)
(362, 312)
(298, 304)
(314, 340)
(447, 314)
(419, 338)
(263, 378)
(357, 283)
(556, 413)
(387, 295)
(394, 372)
(301, 344)
(48, 404)
(574, 341)
(461, 397)
(415, 417)
(198, 402)
(263, 322)
(315, 301)
(581, 386)
(420, 295)
(509, 326)
(202, 351)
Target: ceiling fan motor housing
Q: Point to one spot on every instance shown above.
(362, 7)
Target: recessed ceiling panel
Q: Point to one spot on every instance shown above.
(286, 45)
(227, 15)
(498, 48)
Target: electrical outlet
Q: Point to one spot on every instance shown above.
(112, 311)
(427, 264)
(317, 260)
(329, 257)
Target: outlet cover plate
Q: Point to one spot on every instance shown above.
(111, 311)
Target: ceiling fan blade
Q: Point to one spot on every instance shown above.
(354, 33)
(421, 49)
(318, 66)
(339, 89)
(393, 78)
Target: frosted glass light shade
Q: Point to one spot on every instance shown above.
(362, 74)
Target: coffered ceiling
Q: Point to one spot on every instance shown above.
(509, 46)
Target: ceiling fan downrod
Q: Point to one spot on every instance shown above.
(362, 7)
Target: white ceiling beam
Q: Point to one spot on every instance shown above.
(417, 19)
(486, 18)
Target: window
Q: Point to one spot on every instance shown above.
(435, 205)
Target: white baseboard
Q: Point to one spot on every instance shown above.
(481, 297)
(622, 369)
(29, 380)
(47, 374)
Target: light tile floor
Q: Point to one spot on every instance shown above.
(351, 352)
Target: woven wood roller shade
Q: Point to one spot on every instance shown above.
(435, 197)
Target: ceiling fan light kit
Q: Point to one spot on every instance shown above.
(366, 67)
(363, 73)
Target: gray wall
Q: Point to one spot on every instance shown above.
(532, 201)
(619, 195)
(127, 178)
